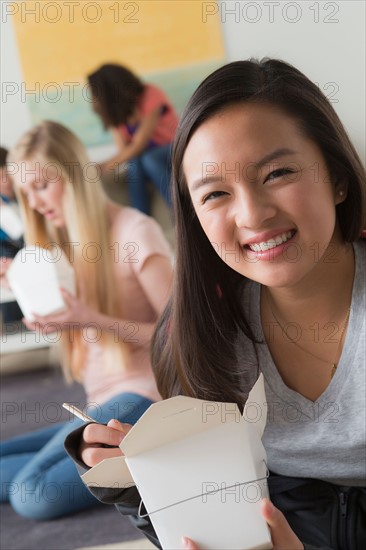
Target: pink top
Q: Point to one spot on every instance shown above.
(134, 237)
(164, 132)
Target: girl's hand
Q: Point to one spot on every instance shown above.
(107, 167)
(189, 544)
(95, 436)
(77, 314)
(5, 263)
(283, 537)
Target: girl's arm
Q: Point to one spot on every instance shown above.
(155, 277)
(141, 138)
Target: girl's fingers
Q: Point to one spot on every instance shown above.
(4, 281)
(40, 319)
(29, 324)
(47, 319)
(120, 426)
(96, 436)
(189, 544)
(41, 324)
(91, 456)
(68, 298)
(283, 537)
(4, 264)
(104, 435)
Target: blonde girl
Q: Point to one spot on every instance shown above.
(123, 271)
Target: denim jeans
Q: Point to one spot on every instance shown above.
(39, 479)
(152, 165)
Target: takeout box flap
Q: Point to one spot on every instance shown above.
(111, 473)
(171, 420)
(180, 417)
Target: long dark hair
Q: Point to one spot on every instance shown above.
(193, 347)
(116, 91)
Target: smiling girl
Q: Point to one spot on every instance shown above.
(105, 329)
(269, 198)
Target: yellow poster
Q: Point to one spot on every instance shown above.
(171, 43)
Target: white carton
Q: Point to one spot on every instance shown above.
(200, 468)
(35, 277)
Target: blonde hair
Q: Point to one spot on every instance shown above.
(86, 222)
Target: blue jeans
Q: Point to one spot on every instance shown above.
(152, 165)
(39, 479)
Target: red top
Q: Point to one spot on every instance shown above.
(164, 132)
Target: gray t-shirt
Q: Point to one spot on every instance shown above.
(323, 439)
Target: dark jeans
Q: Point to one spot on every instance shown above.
(152, 165)
(37, 476)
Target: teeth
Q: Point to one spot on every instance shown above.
(272, 243)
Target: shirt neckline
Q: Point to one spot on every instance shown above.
(273, 377)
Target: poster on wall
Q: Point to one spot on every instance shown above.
(170, 43)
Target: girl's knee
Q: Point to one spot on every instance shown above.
(37, 500)
(127, 407)
(151, 161)
(134, 169)
(33, 505)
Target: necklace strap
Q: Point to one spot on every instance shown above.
(334, 363)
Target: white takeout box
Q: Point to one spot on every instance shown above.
(35, 277)
(200, 468)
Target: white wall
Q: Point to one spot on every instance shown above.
(15, 116)
(326, 40)
(306, 34)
